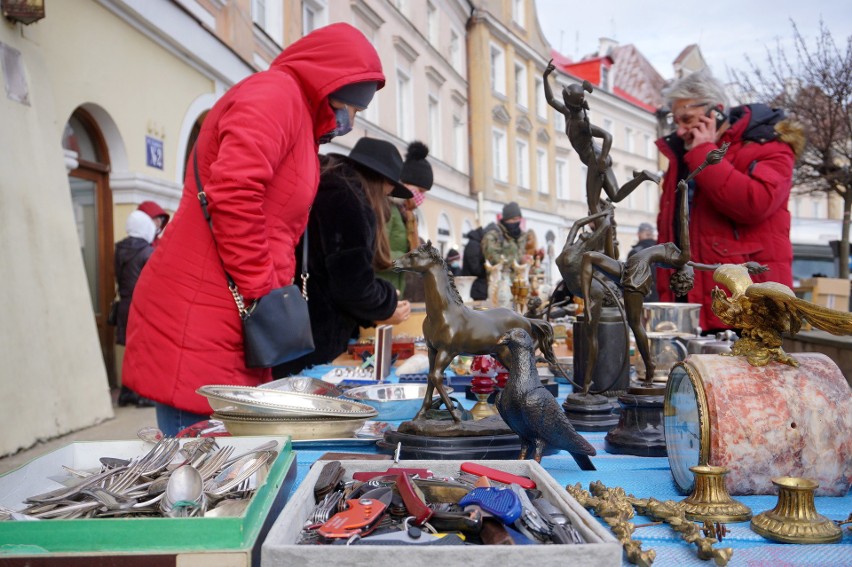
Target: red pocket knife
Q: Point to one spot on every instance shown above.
(361, 515)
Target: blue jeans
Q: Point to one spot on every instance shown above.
(172, 421)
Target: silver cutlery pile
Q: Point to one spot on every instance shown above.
(197, 479)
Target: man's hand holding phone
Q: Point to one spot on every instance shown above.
(706, 128)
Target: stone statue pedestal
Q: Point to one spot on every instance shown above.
(590, 412)
(640, 426)
(440, 439)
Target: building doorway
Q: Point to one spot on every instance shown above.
(91, 201)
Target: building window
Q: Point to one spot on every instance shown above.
(458, 143)
(499, 153)
(608, 125)
(434, 126)
(523, 162)
(518, 12)
(649, 147)
(455, 51)
(268, 15)
(540, 101)
(543, 180)
(604, 78)
(562, 179)
(314, 15)
(628, 140)
(432, 23)
(404, 106)
(521, 96)
(498, 70)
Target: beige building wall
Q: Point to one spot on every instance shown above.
(422, 48)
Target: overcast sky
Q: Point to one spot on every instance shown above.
(725, 30)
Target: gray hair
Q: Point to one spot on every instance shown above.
(700, 85)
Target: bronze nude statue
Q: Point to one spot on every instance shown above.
(634, 276)
(582, 133)
(452, 328)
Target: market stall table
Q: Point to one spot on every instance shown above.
(644, 477)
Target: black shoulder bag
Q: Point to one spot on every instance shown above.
(277, 326)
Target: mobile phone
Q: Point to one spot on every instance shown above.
(719, 114)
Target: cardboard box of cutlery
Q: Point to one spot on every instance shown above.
(280, 547)
(174, 541)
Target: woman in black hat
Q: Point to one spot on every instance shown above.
(347, 245)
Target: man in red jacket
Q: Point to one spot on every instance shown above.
(738, 208)
(257, 162)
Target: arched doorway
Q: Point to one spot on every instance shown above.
(91, 200)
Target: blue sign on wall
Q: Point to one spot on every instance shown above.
(154, 152)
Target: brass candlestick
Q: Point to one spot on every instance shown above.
(794, 518)
(710, 500)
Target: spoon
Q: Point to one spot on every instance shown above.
(184, 492)
(150, 434)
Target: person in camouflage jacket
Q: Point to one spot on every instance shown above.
(507, 241)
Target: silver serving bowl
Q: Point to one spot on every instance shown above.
(266, 402)
(392, 401)
(671, 317)
(297, 429)
(305, 385)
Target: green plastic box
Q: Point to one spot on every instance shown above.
(175, 540)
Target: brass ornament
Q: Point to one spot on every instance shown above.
(615, 511)
(766, 310)
(710, 500)
(794, 518)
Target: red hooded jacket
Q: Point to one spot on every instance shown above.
(257, 156)
(739, 210)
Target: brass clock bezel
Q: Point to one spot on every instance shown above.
(703, 418)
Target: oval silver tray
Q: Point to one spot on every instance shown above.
(260, 401)
(297, 429)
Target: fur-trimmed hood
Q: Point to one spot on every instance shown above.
(792, 133)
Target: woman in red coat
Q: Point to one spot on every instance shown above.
(738, 207)
(258, 163)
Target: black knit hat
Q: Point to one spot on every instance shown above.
(511, 210)
(416, 170)
(383, 158)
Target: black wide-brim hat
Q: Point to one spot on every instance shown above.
(383, 158)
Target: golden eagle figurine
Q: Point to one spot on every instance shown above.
(766, 310)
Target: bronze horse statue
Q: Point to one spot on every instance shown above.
(452, 328)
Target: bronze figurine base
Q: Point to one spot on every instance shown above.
(590, 412)
(710, 501)
(488, 438)
(795, 519)
(640, 427)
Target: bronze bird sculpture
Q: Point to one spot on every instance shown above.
(766, 310)
(530, 410)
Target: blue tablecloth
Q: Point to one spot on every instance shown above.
(648, 476)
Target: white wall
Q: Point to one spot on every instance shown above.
(53, 377)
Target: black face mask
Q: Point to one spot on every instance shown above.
(513, 228)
